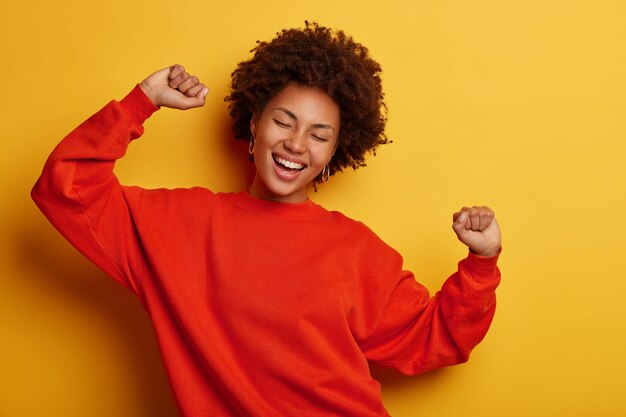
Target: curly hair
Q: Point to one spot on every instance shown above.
(320, 57)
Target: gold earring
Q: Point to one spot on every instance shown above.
(325, 174)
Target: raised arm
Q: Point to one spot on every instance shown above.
(415, 332)
(79, 193)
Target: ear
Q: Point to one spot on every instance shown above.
(334, 149)
(253, 121)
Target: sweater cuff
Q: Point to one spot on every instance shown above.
(482, 267)
(138, 106)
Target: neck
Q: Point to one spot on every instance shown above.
(259, 190)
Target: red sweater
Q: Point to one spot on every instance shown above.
(260, 308)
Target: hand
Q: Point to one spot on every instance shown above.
(173, 87)
(477, 228)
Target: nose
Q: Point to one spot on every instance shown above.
(296, 143)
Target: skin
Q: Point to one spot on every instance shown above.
(289, 127)
(299, 125)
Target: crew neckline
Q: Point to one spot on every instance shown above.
(306, 208)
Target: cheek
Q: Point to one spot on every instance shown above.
(320, 155)
(270, 135)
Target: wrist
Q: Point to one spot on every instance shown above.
(137, 105)
(486, 253)
(149, 92)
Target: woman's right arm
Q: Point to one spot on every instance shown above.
(79, 193)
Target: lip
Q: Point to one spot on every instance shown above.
(286, 174)
(289, 158)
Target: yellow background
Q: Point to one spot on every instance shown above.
(519, 105)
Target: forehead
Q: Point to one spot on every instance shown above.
(307, 103)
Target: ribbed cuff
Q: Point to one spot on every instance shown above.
(482, 266)
(138, 106)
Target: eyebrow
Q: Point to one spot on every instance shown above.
(293, 117)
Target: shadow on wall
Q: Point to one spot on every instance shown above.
(61, 274)
(242, 174)
(419, 385)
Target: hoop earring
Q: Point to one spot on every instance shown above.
(251, 145)
(325, 174)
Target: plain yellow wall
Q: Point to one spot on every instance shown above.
(516, 104)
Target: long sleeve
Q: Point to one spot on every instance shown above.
(415, 332)
(82, 198)
(260, 308)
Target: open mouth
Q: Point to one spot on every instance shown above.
(283, 163)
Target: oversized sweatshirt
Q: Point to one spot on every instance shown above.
(260, 308)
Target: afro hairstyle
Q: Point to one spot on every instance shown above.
(324, 58)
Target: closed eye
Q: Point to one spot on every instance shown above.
(281, 124)
(320, 138)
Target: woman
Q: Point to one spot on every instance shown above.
(263, 302)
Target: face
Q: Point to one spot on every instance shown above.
(295, 137)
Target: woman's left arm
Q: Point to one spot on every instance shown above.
(415, 332)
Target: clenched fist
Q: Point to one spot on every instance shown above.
(477, 228)
(173, 87)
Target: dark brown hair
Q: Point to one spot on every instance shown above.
(320, 57)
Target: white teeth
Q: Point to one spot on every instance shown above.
(289, 164)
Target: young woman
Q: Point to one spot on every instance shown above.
(263, 302)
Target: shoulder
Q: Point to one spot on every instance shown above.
(357, 234)
(352, 225)
(370, 265)
(177, 201)
(169, 196)
(189, 209)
